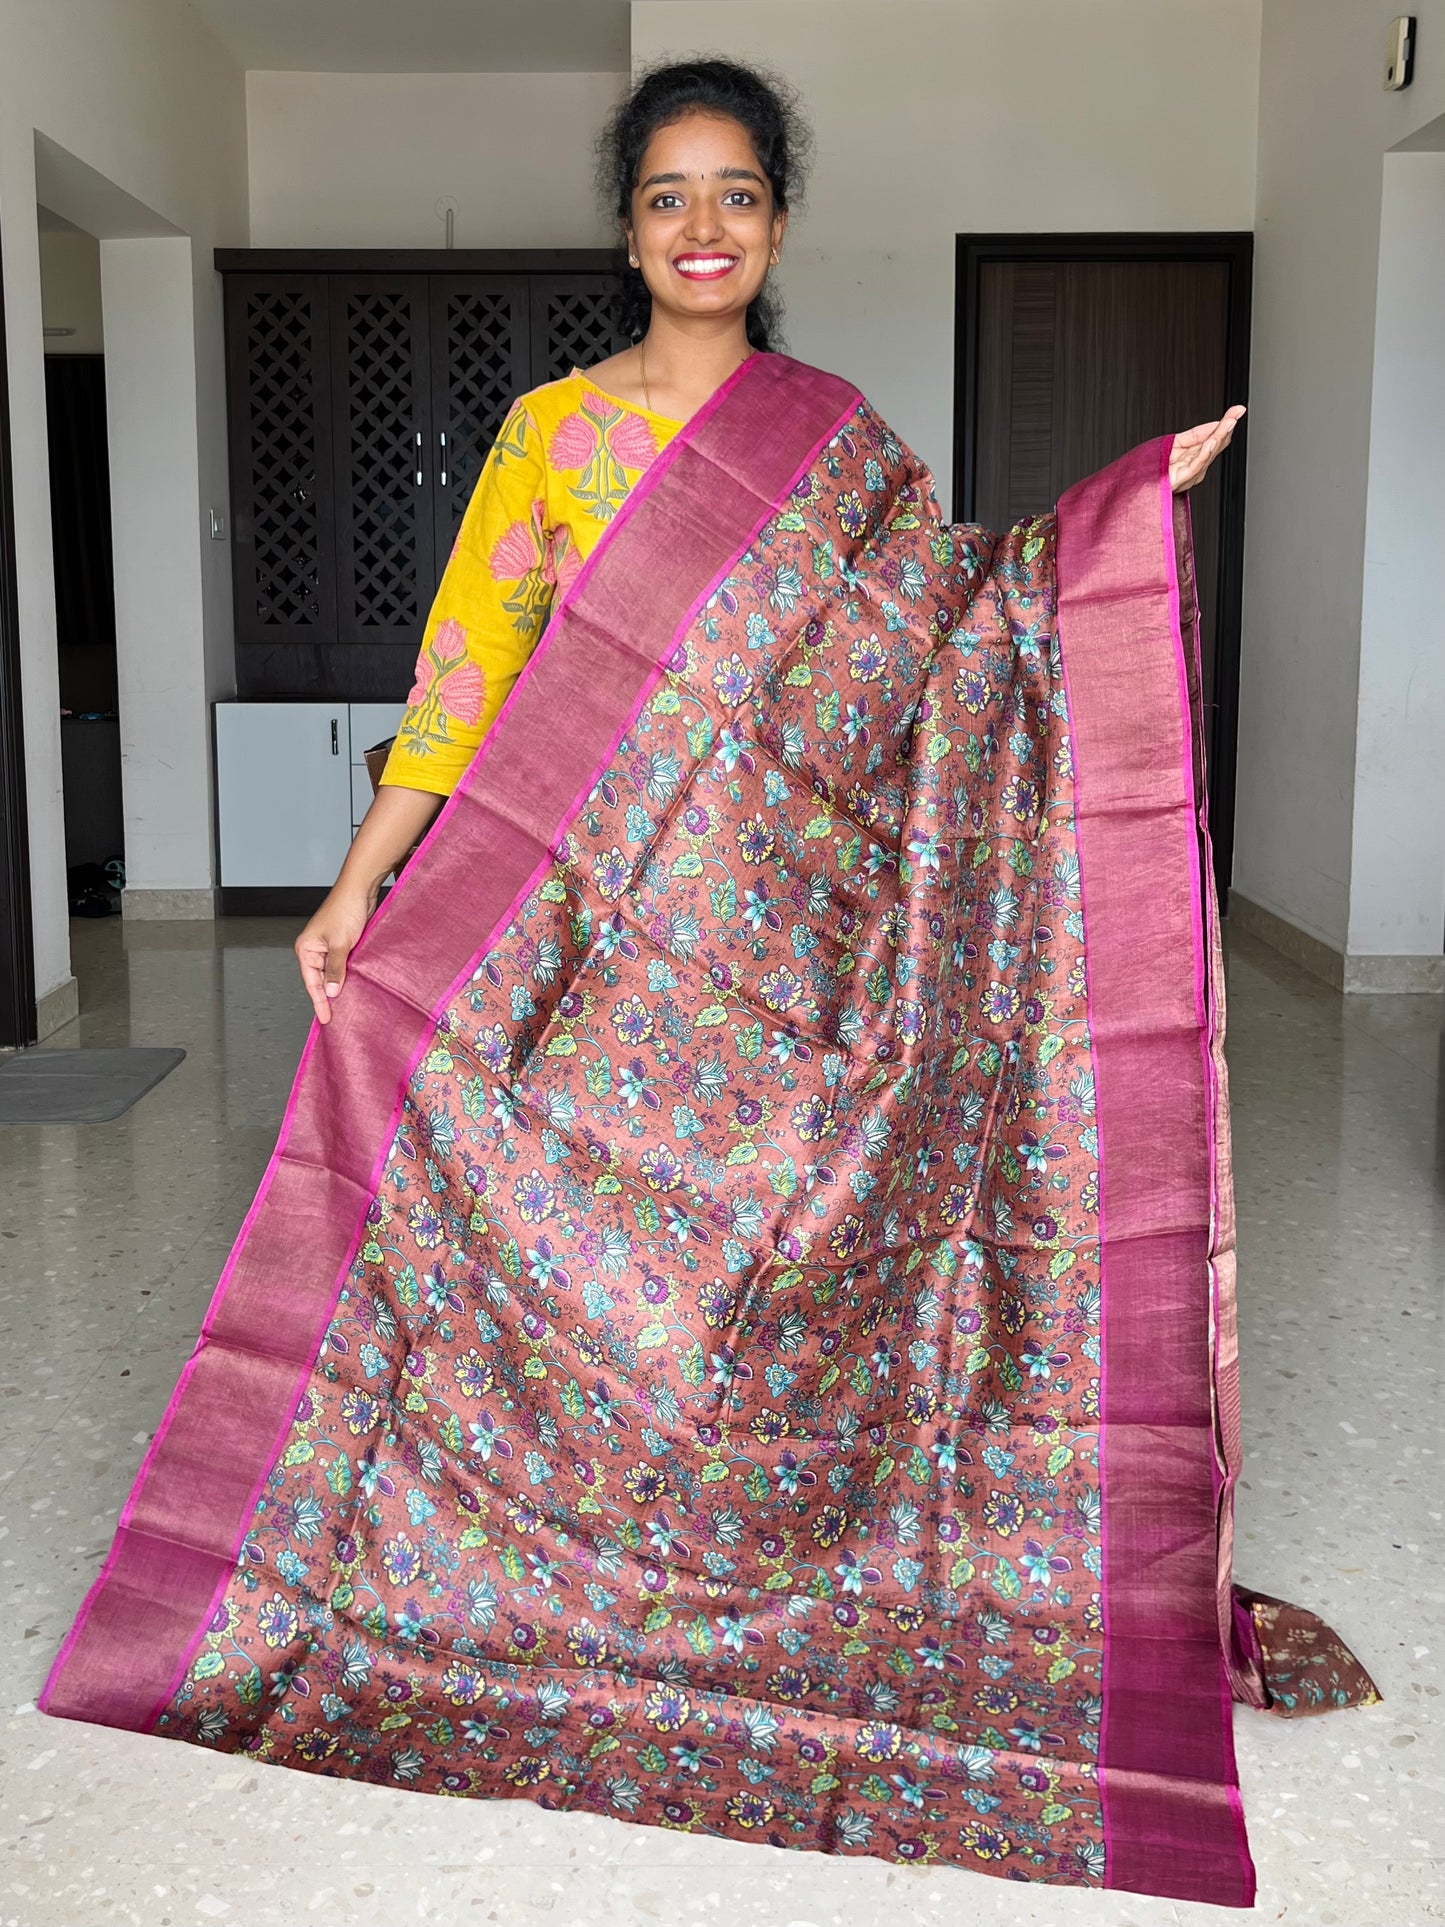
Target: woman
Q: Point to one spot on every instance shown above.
(701, 166)
(737, 1332)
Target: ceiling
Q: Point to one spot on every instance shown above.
(423, 36)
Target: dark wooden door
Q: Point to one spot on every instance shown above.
(386, 470)
(278, 374)
(480, 363)
(1080, 361)
(1078, 349)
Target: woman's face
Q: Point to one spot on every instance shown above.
(703, 225)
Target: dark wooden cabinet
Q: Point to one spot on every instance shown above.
(383, 474)
(570, 315)
(282, 501)
(480, 362)
(364, 395)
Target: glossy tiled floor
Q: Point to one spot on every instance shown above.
(111, 1237)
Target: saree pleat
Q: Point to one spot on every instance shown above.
(737, 1331)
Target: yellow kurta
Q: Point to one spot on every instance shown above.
(564, 463)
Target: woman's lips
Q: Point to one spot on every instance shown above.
(705, 267)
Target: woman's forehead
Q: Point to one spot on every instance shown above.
(700, 145)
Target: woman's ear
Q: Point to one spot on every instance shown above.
(632, 260)
(780, 228)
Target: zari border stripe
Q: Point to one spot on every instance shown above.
(688, 518)
(1173, 1823)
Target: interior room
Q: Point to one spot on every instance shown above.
(274, 277)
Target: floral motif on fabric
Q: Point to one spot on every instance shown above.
(706, 1433)
(522, 558)
(448, 686)
(601, 440)
(1306, 1668)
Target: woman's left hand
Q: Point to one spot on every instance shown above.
(1196, 448)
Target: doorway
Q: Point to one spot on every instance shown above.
(1072, 349)
(80, 523)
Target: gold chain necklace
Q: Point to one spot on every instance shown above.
(642, 370)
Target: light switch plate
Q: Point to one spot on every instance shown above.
(1400, 53)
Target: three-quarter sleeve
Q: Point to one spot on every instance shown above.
(491, 606)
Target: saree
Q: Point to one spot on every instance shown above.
(737, 1331)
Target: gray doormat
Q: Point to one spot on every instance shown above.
(78, 1086)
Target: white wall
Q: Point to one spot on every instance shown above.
(937, 117)
(153, 436)
(1325, 124)
(1397, 871)
(70, 291)
(360, 160)
(142, 95)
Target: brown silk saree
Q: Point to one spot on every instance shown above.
(737, 1332)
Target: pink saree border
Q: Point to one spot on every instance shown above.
(603, 653)
(1172, 1817)
(1176, 524)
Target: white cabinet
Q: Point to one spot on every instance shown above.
(291, 788)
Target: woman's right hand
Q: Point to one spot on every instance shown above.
(397, 820)
(328, 940)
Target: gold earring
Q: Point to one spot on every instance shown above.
(632, 261)
(775, 256)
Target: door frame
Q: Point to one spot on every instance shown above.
(1235, 249)
(17, 952)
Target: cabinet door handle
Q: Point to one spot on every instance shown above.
(418, 458)
(335, 737)
(444, 457)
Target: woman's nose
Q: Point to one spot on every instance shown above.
(705, 223)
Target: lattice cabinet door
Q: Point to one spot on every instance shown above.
(479, 365)
(572, 324)
(282, 502)
(385, 470)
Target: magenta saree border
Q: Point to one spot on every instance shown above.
(609, 642)
(1173, 1823)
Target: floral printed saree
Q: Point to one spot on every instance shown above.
(737, 1332)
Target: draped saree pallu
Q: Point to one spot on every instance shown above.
(737, 1330)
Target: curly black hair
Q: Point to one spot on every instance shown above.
(763, 106)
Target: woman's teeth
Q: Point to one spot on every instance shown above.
(700, 266)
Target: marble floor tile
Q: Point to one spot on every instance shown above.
(110, 1245)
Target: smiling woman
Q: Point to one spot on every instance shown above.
(737, 1331)
(701, 166)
